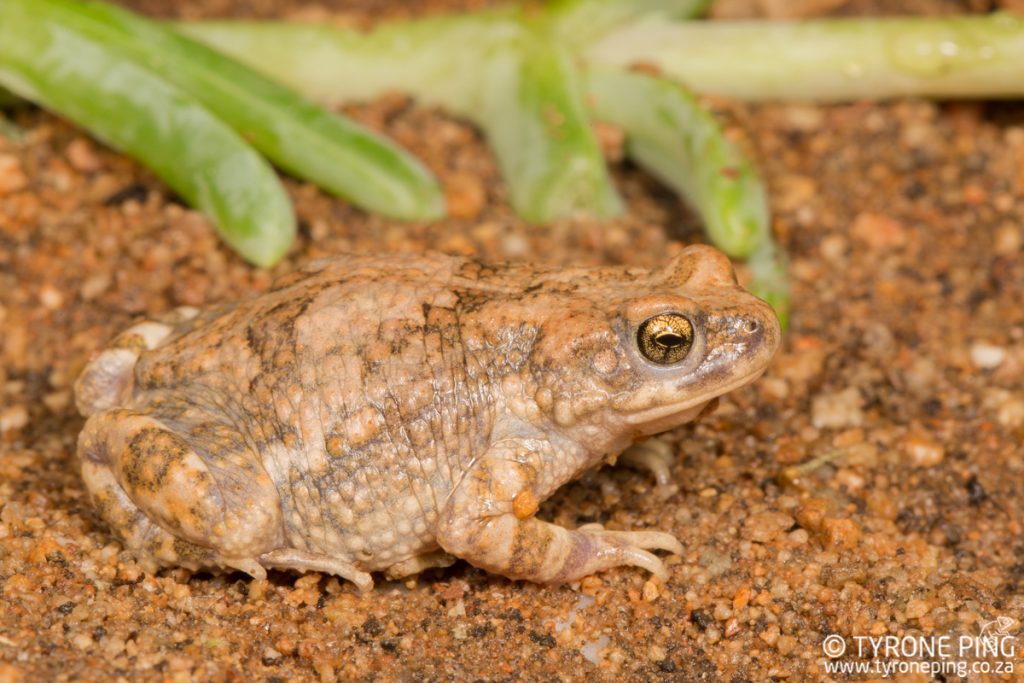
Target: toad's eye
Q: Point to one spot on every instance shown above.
(665, 338)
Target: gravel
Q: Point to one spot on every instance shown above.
(871, 484)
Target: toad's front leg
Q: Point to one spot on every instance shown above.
(489, 522)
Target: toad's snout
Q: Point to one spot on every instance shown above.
(746, 338)
(759, 329)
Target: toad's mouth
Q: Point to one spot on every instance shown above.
(680, 412)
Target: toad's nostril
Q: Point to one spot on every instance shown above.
(751, 326)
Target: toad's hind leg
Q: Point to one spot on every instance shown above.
(172, 506)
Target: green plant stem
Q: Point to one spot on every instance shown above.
(533, 110)
(499, 69)
(47, 57)
(301, 137)
(581, 22)
(432, 59)
(828, 60)
(769, 274)
(672, 136)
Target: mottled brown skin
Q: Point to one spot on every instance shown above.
(394, 412)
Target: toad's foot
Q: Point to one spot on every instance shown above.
(415, 565)
(487, 524)
(638, 542)
(302, 561)
(654, 456)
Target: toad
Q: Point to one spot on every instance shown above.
(394, 412)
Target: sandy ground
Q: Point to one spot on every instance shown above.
(872, 484)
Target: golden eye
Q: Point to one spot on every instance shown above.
(665, 338)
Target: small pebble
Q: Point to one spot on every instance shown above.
(770, 635)
(656, 653)
(804, 363)
(83, 641)
(883, 505)
(812, 513)
(789, 453)
(840, 533)
(50, 297)
(775, 388)
(922, 450)
(590, 584)
(1009, 240)
(12, 418)
(651, 590)
(803, 118)
(765, 527)
(920, 134)
(465, 195)
(592, 651)
(94, 285)
(833, 248)
(12, 178)
(837, 410)
(786, 644)
(878, 230)
(742, 598)
(1010, 412)
(987, 356)
(732, 627)
(798, 536)
(113, 646)
(917, 609)
(57, 401)
(514, 245)
(793, 191)
(82, 156)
